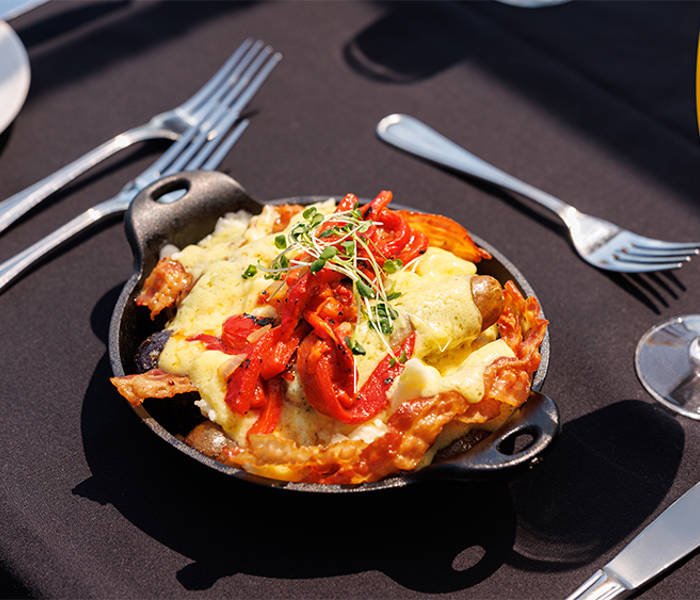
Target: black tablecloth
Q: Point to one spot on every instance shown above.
(593, 102)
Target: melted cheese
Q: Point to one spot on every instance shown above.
(420, 380)
(435, 301)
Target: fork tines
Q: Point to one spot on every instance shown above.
(649, 254)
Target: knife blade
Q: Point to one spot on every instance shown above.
(668, 538)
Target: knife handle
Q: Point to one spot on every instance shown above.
(601, 586)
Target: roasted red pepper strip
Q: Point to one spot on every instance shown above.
(277, 359)
(211, 342)
(328, 386)
(394, 233)
(240, 392)
(300, 294)
(374, 208)
(348, 203)
(373, 392)
(236, 329)
(270, 415)
(234, 334)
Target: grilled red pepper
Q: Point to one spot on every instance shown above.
(328, 386)
(269, 417)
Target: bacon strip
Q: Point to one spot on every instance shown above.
(443, 232)
(164, 287)
(507, 380)
(151, 384)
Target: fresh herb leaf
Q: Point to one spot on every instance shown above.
(355, 346)
(349, 247)
(391, 266)
(250, 272)
(281, 241)
(317, 265)
(329, 252)
(393, 296)
(364, 290)
(297, 231)
(309, 212)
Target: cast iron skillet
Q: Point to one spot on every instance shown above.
(150, 224)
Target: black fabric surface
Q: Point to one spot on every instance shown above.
(591, 101)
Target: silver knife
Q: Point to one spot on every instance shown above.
(667, 539)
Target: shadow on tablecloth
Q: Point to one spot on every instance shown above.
(601, 480)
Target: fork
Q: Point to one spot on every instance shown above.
(600, 243)
(197, 148)
(167, 125)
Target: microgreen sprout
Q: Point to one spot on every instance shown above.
(250, 271)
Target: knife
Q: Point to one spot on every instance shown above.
(667, 539)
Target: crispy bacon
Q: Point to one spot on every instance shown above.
(412, 430)
(443, 232)
(507, 380)
(151, 384)
(165, 286)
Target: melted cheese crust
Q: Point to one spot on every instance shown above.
(436, 301)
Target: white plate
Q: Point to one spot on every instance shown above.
(14, 75)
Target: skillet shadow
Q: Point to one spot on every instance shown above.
(196, 512)
(186, 506)
(540, 55)
(609, 471)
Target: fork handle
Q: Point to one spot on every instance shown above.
(19, 263)
(15, 206)
(416, 137)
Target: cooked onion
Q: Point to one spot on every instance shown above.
(258, 333)
(229, 366)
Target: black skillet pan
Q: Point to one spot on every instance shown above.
(151, 223)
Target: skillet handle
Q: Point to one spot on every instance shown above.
(538, 419)
(152, 222)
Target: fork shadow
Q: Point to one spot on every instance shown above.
(603, 477)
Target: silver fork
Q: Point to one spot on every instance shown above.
(199, 147)
(167, 125)
(600, 243)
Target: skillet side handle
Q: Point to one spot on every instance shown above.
(151, 222)
(538, 419)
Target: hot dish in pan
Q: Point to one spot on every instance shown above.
(335, 342)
